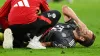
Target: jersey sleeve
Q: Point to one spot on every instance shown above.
(44, 6)
(5, 9)
(4, 23)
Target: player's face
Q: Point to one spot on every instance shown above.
(82, 37)
(89, 35)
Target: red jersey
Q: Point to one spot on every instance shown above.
(23, 11)
(3, 22)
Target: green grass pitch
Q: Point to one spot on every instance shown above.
(88, 11)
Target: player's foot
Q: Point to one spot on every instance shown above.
(8, 39)
(36, 38)
(35, 43)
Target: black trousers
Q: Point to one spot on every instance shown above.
(36, 28)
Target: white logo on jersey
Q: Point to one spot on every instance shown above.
(22, 3)
(68, 26)
(71, 43)
(49, 15)
(52, 15)
(63, 34)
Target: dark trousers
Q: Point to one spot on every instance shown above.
(36, 28)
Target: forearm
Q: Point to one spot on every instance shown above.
(70, 14)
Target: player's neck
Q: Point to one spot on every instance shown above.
(76, 35)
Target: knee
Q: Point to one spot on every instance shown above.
(56, 14)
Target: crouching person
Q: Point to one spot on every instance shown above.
(24, 18)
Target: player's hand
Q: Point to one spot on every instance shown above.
(83, 28)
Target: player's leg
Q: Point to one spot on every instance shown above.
(52, 16)
(44, 22)
(49, 19)
(19, 33)
(14, 36)
(34, 43)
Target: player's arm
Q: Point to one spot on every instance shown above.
(4, 22)
(70, 14)
(5, 9)
(44, 6)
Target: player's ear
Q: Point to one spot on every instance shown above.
(82, 38)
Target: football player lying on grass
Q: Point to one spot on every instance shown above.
(68, 33)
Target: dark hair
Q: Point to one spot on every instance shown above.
(88, 42)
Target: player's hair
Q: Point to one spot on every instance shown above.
(88, 42)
